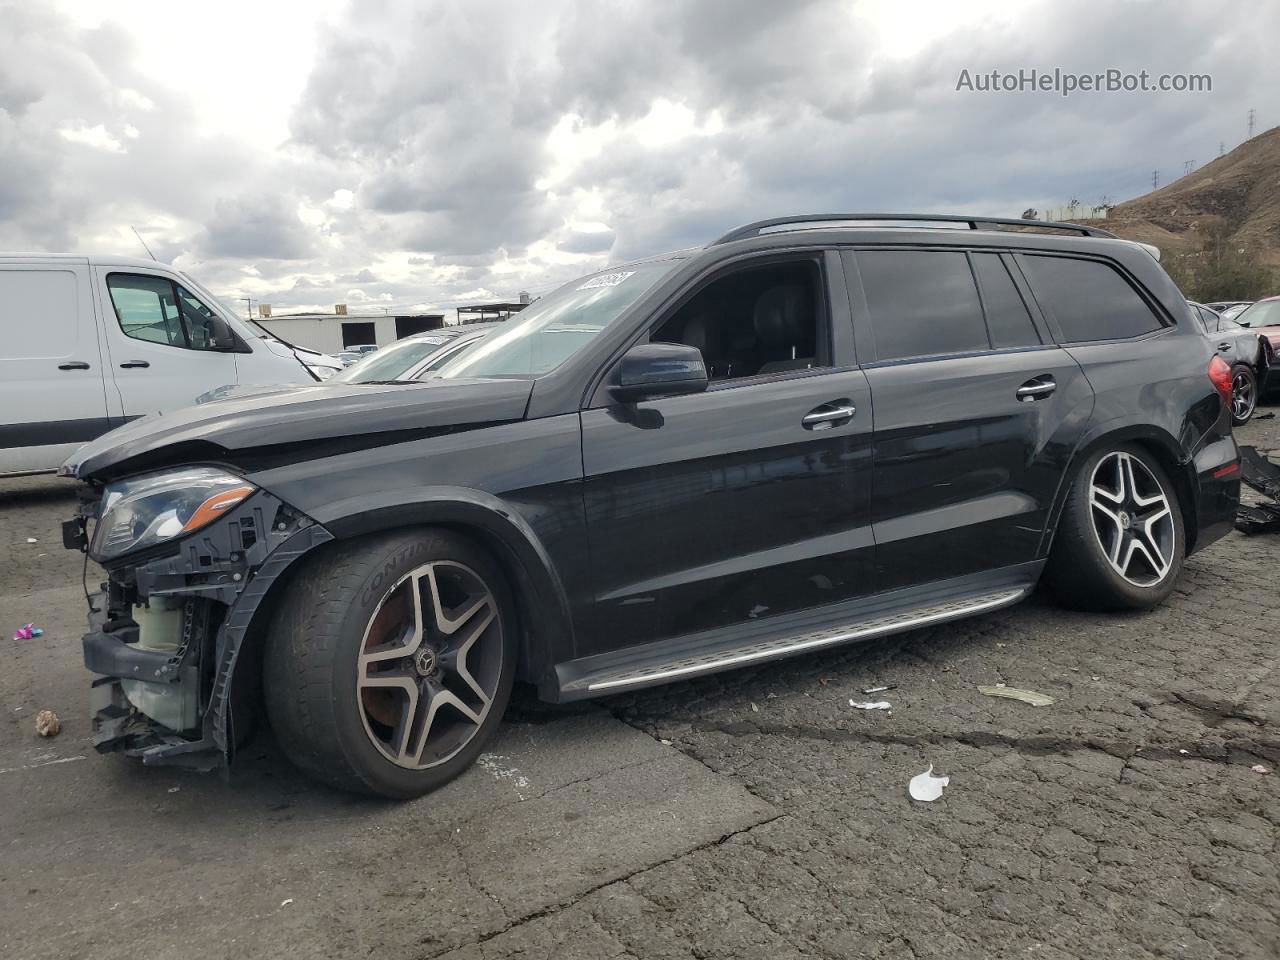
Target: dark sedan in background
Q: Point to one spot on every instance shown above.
(1250, 354)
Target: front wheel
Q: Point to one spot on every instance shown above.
(1120, 542)
(1244, 394)
(390, 662)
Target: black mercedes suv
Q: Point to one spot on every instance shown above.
(814, 430)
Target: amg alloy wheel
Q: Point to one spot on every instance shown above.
(1132, 519)
(429, 665)
(1120, 539)
(1244, 394)
(390, 661)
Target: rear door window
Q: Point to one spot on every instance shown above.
(922, 303)
(1089, 299)
(1008, 319)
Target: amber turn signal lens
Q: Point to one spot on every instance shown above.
(216, 506)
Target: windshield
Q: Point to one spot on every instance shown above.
(1264, 313)
(390, 362)
(549, 331)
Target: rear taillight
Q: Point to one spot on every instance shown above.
(1220, 374)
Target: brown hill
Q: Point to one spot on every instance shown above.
(1239, 191)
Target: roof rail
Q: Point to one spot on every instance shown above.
(973, 223)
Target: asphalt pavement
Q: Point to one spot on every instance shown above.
(750, 814)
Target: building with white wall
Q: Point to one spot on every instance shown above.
(333, 332)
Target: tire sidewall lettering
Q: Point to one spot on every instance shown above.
(385, 578)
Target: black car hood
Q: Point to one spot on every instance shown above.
(310, 415)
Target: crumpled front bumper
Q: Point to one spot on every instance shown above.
(218, 577)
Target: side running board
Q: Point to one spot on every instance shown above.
(690, 657)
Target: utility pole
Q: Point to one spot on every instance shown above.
(1187, 166)
(248, 306)
(1155, 179)
(1252, 115)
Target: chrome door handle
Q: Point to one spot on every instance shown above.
(828, 415)
(1224, 345)
(1036, 389)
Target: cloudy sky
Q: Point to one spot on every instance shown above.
(398, 154)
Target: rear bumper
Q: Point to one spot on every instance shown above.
(1217, 481)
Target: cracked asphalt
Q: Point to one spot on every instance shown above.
(750, 814)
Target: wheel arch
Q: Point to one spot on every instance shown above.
(545, 625)
(1163, 448)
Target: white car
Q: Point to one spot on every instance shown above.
(88, 343)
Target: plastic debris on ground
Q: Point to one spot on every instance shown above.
(926, 787)
(29, 632)
(871, 704)
(880, 689)
(1014, 693)
(47, 723)
(1262, 475)
(1259, 768)
(32, 540)
(754, 708)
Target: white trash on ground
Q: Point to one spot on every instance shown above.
(871, 704)
(1013, 693)
(925, 786)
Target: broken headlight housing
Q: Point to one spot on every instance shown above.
(145, 511)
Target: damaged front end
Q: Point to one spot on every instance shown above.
(190, 556)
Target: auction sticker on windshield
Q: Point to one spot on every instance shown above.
(607, 280)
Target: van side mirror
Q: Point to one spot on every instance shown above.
(221, 336)
(651, 370)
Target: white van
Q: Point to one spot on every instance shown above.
(88, 343)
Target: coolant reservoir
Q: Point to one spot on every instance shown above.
(159, 625)
(172, 705)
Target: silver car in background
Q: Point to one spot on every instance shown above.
(415, 357)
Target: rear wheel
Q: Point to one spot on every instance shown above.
(1244, 394)
(391, 661)
(1120, 541)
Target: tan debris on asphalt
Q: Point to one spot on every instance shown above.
(47, 723)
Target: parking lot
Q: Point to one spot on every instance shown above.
(750, 814)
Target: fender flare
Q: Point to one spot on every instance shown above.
(542, 603)
(1123, 430)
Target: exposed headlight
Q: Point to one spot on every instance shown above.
(321, 373)
(145, 511)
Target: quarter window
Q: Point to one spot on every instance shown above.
(922, 303)
(1089, 299)
(157, 310)
(1008, 320)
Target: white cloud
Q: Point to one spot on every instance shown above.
(443, 151)
(95, 136)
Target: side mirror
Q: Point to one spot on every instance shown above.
(220, 334)
(651, 370)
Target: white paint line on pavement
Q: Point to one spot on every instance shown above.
(42, 763)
